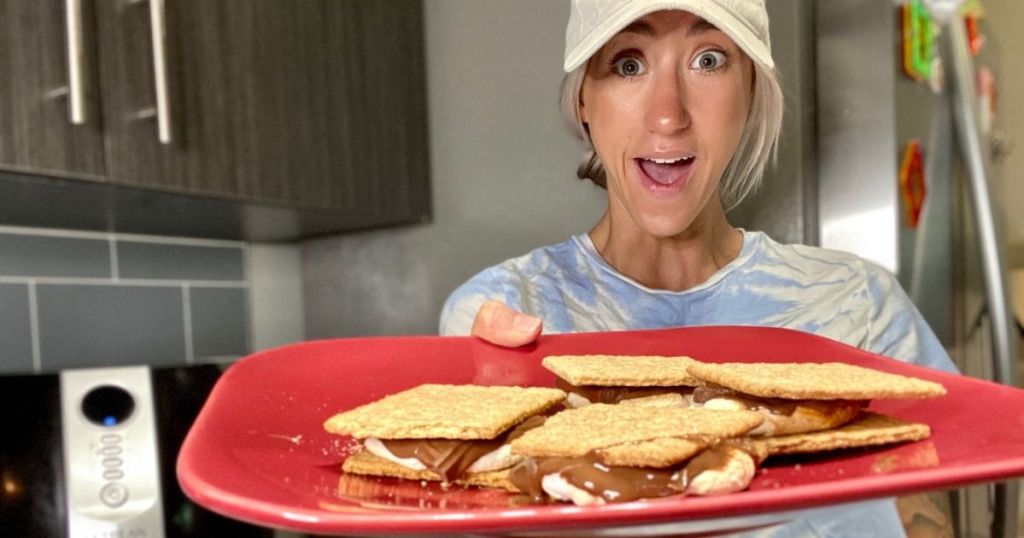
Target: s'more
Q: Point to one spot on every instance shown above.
(610, 379)
(867, 430)
(798, 398)
(448, 433)
(614, 453)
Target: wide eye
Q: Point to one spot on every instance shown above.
(708, 60)
(628, 66)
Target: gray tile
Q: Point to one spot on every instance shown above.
(15, 329)
(110, 325)
(220, 322)
(43, 255)
(137, 259)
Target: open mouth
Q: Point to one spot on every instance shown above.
(659, 173)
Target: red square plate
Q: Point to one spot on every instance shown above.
(258, 453)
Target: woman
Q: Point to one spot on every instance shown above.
(681, 105)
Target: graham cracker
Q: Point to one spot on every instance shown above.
(444, 412)
(813, 381)
(870, 429)
(365, 463)
(663, 452)
(669, 399)
(622, 370)
(628, 432)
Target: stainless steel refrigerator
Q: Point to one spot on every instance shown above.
(851, 111)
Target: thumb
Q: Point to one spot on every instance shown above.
(498, 324)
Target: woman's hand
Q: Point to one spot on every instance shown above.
(500, 325)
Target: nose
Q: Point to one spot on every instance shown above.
(666, 111)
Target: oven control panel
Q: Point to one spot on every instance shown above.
(111, 465)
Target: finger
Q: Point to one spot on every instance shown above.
(501, 325)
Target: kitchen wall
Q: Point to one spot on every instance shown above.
(71, 299)
(503, 174)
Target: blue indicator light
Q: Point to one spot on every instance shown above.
(109, 421)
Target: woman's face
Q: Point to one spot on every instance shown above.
(666, 101)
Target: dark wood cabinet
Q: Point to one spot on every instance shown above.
(317, 106)
(36, 131)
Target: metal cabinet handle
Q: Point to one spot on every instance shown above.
(76, 62)
(158, 28)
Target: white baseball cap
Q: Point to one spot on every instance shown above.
(593, 22)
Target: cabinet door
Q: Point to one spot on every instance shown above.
(376, 73)
(308, 103)
(199, 156)
(36, 133)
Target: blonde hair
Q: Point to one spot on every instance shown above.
(745, 170)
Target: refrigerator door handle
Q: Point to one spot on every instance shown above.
(973, 146)
(974, 150)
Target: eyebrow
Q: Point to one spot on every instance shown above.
(700, 27)
(645, 29)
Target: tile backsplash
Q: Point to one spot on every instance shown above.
(15, 329)
(72, 299)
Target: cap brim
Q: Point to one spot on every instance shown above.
(709, 11)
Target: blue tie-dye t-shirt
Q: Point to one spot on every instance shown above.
(829, 293)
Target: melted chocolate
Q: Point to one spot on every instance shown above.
(620, 484)
(612, 395)
(451, 457)
(713, 458)
(711, 391)
(775, 406)
(613, 484)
